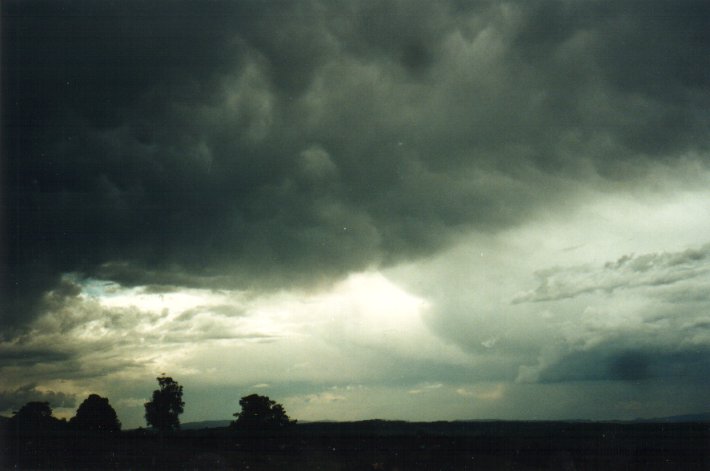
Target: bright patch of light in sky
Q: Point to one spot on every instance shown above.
(458, 309)
(173, 302)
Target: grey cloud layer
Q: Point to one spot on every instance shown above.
(14, 399)
(629, 271)
(266, 143)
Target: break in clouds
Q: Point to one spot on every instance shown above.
(251, 149)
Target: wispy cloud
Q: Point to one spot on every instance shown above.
(628, 272)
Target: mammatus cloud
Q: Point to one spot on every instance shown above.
(263, 145)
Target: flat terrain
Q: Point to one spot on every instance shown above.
(380, 445)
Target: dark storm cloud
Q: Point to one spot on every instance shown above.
(615, 363)
(28, 357)
(265, 144)
(14, 399)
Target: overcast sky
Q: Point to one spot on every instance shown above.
(416, 210)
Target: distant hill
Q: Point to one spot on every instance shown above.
(396, 424)
(205, 424)
(705, 417)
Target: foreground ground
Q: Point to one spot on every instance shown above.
(378, 445)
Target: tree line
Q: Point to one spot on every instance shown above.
(162, 413)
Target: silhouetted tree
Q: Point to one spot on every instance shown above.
(95, 414)
(34, 418)
(260, 413)
(162, 412)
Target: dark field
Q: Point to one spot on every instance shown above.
(379, 445)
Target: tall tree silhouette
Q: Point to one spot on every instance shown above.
(95, 414)
(162, 412)
(260, 413)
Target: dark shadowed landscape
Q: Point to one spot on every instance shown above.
(264, 437)
(380, 445)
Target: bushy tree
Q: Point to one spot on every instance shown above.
(95, 414)
(163, 410)
(34, 418)
(260, 413)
